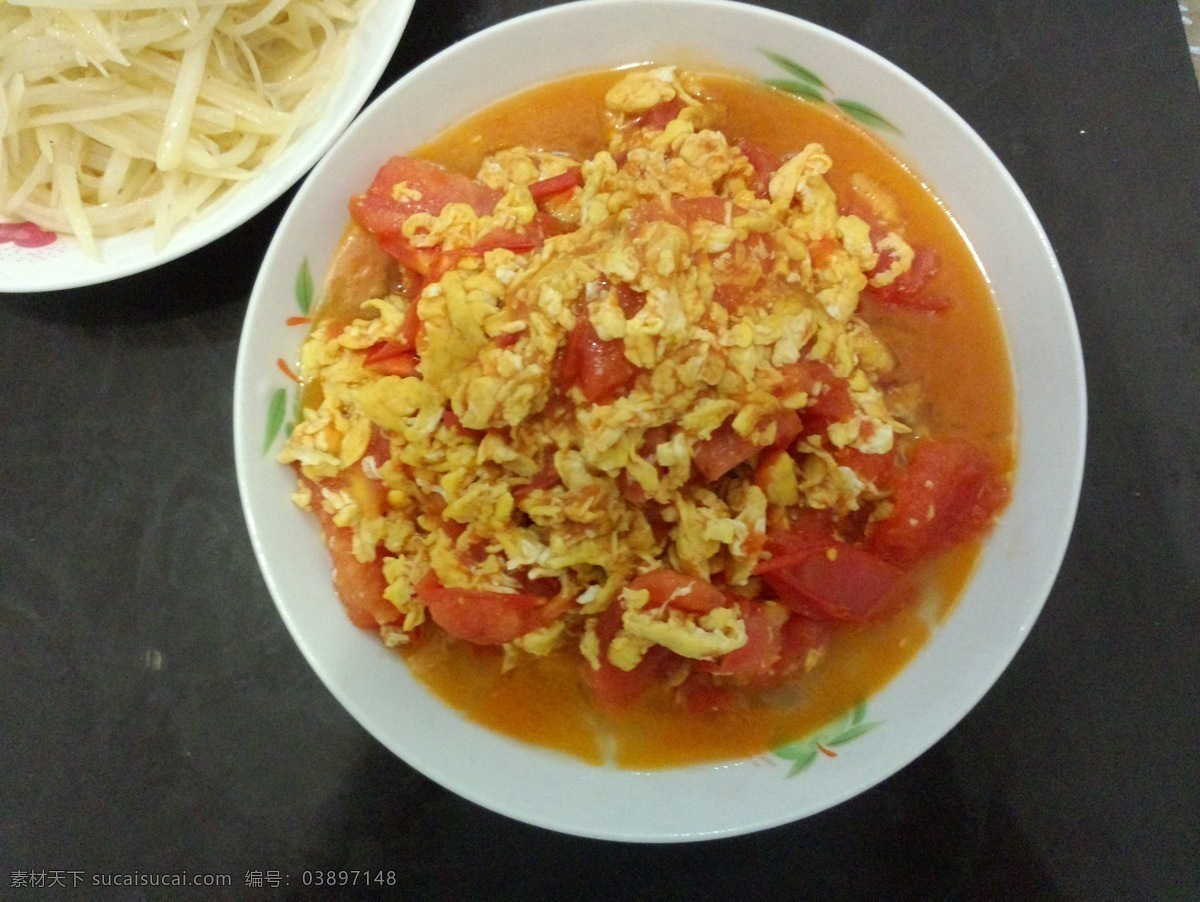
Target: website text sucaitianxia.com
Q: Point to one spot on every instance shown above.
(45, 878)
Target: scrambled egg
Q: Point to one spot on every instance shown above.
(497, 472)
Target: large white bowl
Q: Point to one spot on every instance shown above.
(967, 653)
(64, 263)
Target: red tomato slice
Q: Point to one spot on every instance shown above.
(614, 688)
(659, 117)
(701, 694)
(391, 358)
(910, 290)
(800, 637)
(764, 163)
(431, 186)
(359, 585)
(878, 469)
(950, 492)
(837, 581)
(485, 618)
(788, 426)
(382, 212)
(555, 184)
(709, 208)
(598, 368)
(723, 451)
(757, 659)
(688, 593)
(829, 396)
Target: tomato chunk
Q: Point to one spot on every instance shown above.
(911, 290)
(659, 117)
(391, 358)
(950, 492)
(757, 659)
(688, 593)
(405, 186)
(826, 578)
(614, 688)
(803, 641)
(875, 468)
(482, 617)
(359, 585)
(764, 164)
(721, 452)
(829, 396)
(555, 184)
(598, 368)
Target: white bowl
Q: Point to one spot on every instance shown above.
(966, 654)
(64, 263)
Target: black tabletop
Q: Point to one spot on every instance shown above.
(158, 719)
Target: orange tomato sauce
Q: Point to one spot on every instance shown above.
(958, 357)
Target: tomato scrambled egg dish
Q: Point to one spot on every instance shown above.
(626, 406)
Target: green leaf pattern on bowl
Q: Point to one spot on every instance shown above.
(846, 729)
(803, 82)
(275, 413)
(304, 287)
(277, 407)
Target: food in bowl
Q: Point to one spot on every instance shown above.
(653, 416)
(120, 116)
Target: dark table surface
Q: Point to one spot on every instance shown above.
(157, 717)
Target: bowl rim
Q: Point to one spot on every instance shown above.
(240, 203)
(1067, 480)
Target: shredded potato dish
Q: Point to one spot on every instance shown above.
(116, 115)
(626, 408)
